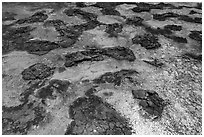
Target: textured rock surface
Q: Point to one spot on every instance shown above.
(102, 68)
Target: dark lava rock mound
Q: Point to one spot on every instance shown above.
(147, 41)
(37, 71)
(150, 102)
(92, 116)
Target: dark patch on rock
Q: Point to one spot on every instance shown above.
(61, 69)
(8, 16)
(142, 7)
(75, 58)
(22, 118)
(146, 7)
(55, 85)
(40, 47)
(108, 94)
(34, 85)
(173, 27)
(39, 16)
(90, 92)
(155, 63)
(164, 16)
(14, 38)
(178, 39)
(37, 71)
(193, 56)
(93, 116)
(190, 19)
(110, 12)
(119, 53)
(136, 21)
(199, 6)
(80, 4)
(147, 41)
(193, 12)
(196, 35)
(77, 12)
(114, 77)
(113, 29)
(150, 102)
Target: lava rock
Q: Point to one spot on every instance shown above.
(99, 116)
(55, 85)
(194, 56)
(8, 16)
(150, 102)
(37, 71)
(114, 77)
(190, 19)
(147, 41)
(173, 27)
(178, 39)
(75, 58)
(36, 17)
(40, 47)
(90, 92)
(119, 53)
(112, 11)
(193, 12)
(113, 29)
(136, 21)
(164, 16)
(196, 35)
(21, 119)
(155, 63)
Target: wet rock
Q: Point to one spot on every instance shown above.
(173, 27)
(75, 58)
(81, 4)
(150, 102)
(20, 119)
(178, 39)
(33, 85)
(147, 41)
(8, 16)
(40, 47)
(106, 11)
(190, 19)
(164, 16)
(196, 35)
(114, 77)
(58, 86)
(93, 116)
(154, 62)
(142, 7)
(90, 92)
(194, 56)
(113, 29)
(37, 71)
(136, 21)
(119, 53)
(36, 17)
(14, 38)
(193, 12)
